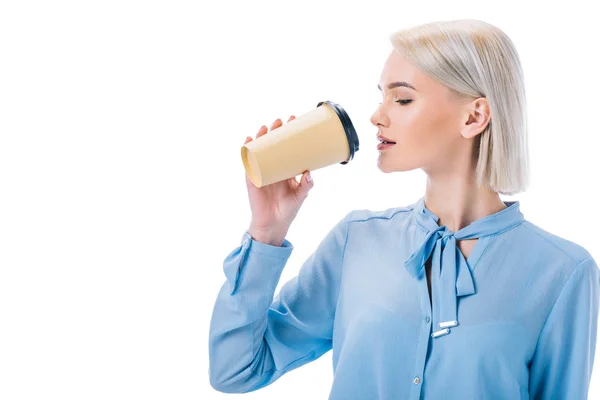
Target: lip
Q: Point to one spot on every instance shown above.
(381, 137)
(382, 146)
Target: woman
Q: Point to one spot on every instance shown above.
(456, 296)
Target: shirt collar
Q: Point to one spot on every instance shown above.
(492, 224)
(450, 272)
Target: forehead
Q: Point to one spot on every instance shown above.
(397, 68)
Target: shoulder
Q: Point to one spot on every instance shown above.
(379, 219)
(554, 246)
(553, 255)
(366, 215)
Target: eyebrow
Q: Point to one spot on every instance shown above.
(398, 84)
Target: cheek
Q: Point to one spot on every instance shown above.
(420, 127)
(422, 133)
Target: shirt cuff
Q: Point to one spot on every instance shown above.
(282, 251)
(259, 260)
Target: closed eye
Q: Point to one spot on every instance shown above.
(402, 102)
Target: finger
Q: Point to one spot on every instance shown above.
(261, 131)
(306, 183)
(276, 124)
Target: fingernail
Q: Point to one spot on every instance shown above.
(308, 177)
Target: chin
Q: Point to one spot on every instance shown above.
(387, 167)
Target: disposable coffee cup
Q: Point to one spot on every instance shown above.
(324, 136)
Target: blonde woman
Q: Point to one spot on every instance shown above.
(456, 296)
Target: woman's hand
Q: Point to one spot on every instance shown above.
(275, 206)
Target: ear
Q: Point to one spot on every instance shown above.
(476, 117)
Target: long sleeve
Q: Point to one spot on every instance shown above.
(562, 364)
(255, 338)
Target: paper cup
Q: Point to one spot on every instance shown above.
(324, 136)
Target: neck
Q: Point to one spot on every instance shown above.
(457, 200)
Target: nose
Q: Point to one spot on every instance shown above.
(377, 118)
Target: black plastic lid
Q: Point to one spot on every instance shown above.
(348, 128)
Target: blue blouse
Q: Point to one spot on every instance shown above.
(517, 319)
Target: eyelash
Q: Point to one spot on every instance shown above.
(403, 102)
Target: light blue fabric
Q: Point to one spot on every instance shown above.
(517, 319)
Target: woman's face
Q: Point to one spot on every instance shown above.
(421, 115)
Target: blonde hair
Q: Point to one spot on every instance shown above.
(476, 59)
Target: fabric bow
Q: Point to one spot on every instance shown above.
(451, 276)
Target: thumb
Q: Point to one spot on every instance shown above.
(306, 183)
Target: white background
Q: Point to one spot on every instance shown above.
(122, 187)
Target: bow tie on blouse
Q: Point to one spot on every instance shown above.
(450, 273)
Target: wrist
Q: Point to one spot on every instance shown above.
(271, 237)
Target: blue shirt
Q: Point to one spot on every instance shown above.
(517, 319)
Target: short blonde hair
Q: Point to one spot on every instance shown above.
(476, 59)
